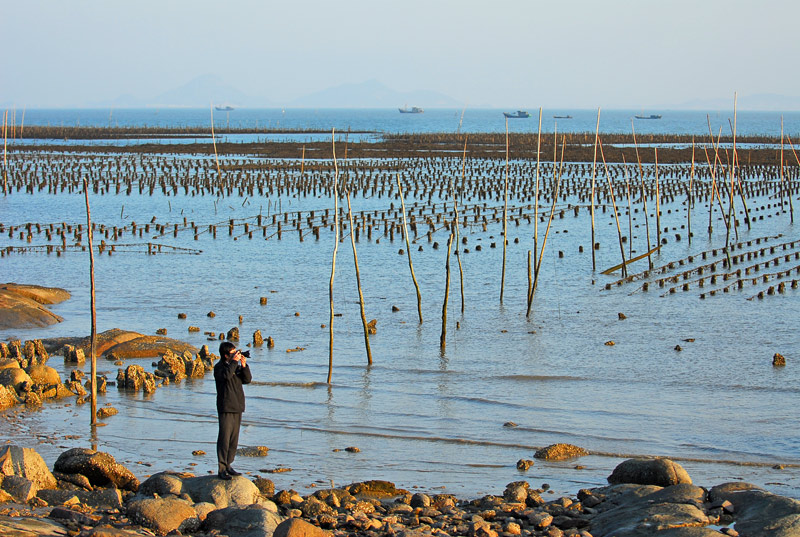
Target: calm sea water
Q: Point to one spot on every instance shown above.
(421, 416)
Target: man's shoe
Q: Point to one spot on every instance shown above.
(225, 476)
(231, 471)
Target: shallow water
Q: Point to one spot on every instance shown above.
(421, 416)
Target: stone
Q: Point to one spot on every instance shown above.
(250, 521)
(150, 347)
(420, 499)
(14, 377)
(778, 360)
(171, 366)
(27, 463)
(8, 397)
(100, 468)
(73, 355)
(524, 464)
(660, 472)
(265, 486)
(22, 306)
(759, 512)
(258, 340)
(375, 489)
(233, 334)
(211, 489)
(31, 527)
(106, 412)
(44, 375)
(253, 451)
(560, 452)
(20, 488)
(164, 515)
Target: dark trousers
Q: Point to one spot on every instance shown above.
(228, 438)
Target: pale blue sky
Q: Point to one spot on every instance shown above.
(567, 53)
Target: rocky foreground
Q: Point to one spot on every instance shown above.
(88, 493)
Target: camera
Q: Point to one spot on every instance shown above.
(246, 353)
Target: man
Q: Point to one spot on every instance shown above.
(230, 373)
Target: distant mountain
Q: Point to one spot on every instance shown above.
(767, 102)
(203, 90)
(372, 94)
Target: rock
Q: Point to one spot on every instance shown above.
(100, 468)
(8, 397)
(420, 500)
(560, 452)
(171, 366)
(21, 306)
(135, 378)
(44, 375)
(73, 355)
(621, 316)
(297, 527)
(150, 347)
(162, 484)
(103, 341)
(211, 489)
(258, 340)
(19, 488)
(759, 512)
(265, 486)
(516, 492)
(375, 489)
(27, 463)
(14, 377)
(164, 514)
(106, 412)
(660, 472)
(778, 360)
(524, 464)
(540, 520)
(233, 334)
(372, 326)
(253, 451)
(249, 521)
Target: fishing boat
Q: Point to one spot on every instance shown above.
(518, 114)
(562, 117)
(651, 116)
(223, 107)
(412, 110)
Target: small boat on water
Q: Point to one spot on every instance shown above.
(224, 107)
(521, 114)
(562, 117)
(412, 110)
(651, 116)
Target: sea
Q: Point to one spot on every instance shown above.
(613, 367)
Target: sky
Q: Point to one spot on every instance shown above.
(490, 53)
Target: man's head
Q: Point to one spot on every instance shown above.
(226, 349)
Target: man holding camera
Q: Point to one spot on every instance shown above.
(230, 373)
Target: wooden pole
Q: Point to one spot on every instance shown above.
(408, 250)
(689, 197)
(731, 215)
(594, 171)
(214, 143)
(644, 199)
(536, 192)
(658, 197)
(614, 205)
(335, 250)
(93, 339)
(5, 153)
(630, 216)
(358, 280)
(446, 295)
(458, 229)
(505, 222)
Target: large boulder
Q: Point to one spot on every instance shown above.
(243, 521)
(759, 512)
(645, 510)
(8, 397)
(44, 375)
(20, 488)
(164, 515)
(100, 468)
(134, 377)
(21, 306)
(103, 341)
(211, 489)
(297, 527)
(14, 377)
(660, 472)
(27, 463)
(149, 347)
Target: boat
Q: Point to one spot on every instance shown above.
(412, 110)
(517, 114)
(651, 116)
(223, 107)
(562, 117)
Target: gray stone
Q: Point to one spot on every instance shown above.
(30, 527)
(20, 488)
(759, 512)
(296, 527)
(27, 463)
(164, 514)
(659, 472)
(237, 521)
(100, 468)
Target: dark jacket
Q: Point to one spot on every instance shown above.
(229, 377)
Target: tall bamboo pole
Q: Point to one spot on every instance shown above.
(690, 196)
(547, 229)
(408, 250)
(5, 153)
(442, 337)
(594, 173)
(731, 215)
(630, 216)
(455, 210)
(616, 215)
(335, 250)
(358, 280)
(536, 191)
(505, 222)
(644, 199)
(658, 197)
(93, 339)
(214, 143)
(791, 204)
